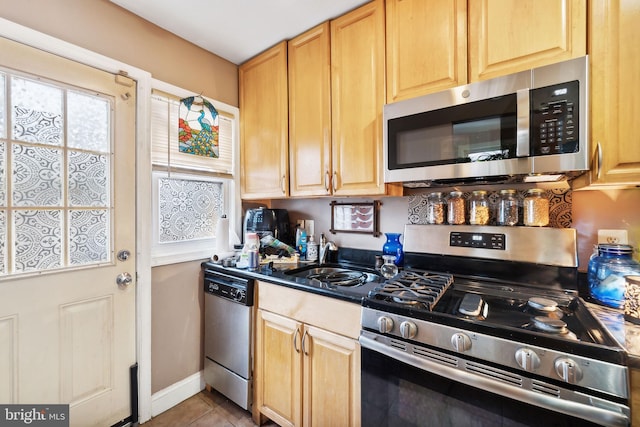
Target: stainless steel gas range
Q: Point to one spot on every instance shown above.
(484, 326)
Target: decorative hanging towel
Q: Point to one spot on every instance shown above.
(198, 127)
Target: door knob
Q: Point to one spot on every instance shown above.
(124, 279)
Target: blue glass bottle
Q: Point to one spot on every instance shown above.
(606, 273)
(393, 247)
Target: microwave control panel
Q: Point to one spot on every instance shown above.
(555, 119)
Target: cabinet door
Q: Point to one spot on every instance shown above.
(264, 125)
(426, 46)
(331, 379)
(278, 374)
(615, 94)
(506, 36)
(357, 92)
(310, 112)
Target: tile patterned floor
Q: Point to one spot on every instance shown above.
(205, 409)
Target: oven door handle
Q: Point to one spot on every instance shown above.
(455, 368)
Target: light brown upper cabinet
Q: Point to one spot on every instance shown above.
(264, 171)
(614, 50)
(310, 112)
(506, 36)
(357, 94)
(434, 45)
(336, 93)
(426, 46)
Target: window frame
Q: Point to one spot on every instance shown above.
(200, 249)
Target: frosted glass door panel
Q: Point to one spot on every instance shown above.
(55, 151)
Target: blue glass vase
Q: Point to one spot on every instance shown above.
(606, 273)
(393, 247)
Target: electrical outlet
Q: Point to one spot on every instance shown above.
(616, 237)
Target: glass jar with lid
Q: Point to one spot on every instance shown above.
(606, 273)
(536, 208)
(435, 208)
(456, 208)
(507, 208)
(478, 208)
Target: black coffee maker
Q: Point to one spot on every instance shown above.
(269, 221)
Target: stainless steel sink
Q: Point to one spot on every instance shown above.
(336, 275)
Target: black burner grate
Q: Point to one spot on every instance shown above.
(414, 287)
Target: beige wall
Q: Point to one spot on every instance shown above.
(612, 209)
(393, 217)
(105, 28)
(177, 323)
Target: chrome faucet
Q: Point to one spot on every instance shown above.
(329, 246)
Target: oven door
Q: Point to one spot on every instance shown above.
(404, 385)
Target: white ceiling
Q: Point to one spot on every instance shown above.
(237, 29)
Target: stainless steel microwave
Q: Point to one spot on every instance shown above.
(528, 126)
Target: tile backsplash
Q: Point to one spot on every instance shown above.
(559, 207)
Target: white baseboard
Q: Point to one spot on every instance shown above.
(169, 397)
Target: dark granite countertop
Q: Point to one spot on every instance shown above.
(281, 274)
(625, 332)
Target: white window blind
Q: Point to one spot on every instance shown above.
(164, 138)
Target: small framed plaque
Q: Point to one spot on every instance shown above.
(355, 218)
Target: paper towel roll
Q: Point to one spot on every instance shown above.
(222, 234)
(221, 256)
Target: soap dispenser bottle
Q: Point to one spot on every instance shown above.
(312, 249)
(303, 244)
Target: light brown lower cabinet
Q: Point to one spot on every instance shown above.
(305, 374)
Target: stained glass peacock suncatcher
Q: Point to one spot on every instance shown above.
(198, 127)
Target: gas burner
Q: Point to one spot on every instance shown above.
(553, 326)
(548, 324)
(544, 307)
(407, 298)
(414, 287)
(542, 304)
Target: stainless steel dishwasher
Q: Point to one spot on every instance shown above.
(228, 320)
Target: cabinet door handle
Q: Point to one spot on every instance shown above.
(327, 179)
(304, 338)
(599, 169)
(283, 183)
(335, 181)
(295, 340)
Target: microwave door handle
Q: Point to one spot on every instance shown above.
(522, 123)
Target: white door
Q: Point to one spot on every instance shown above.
(67, 208)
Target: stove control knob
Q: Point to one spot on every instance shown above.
(461, 342)
(527, 359)
(568, 370)
(385, 324)
(408, 330)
